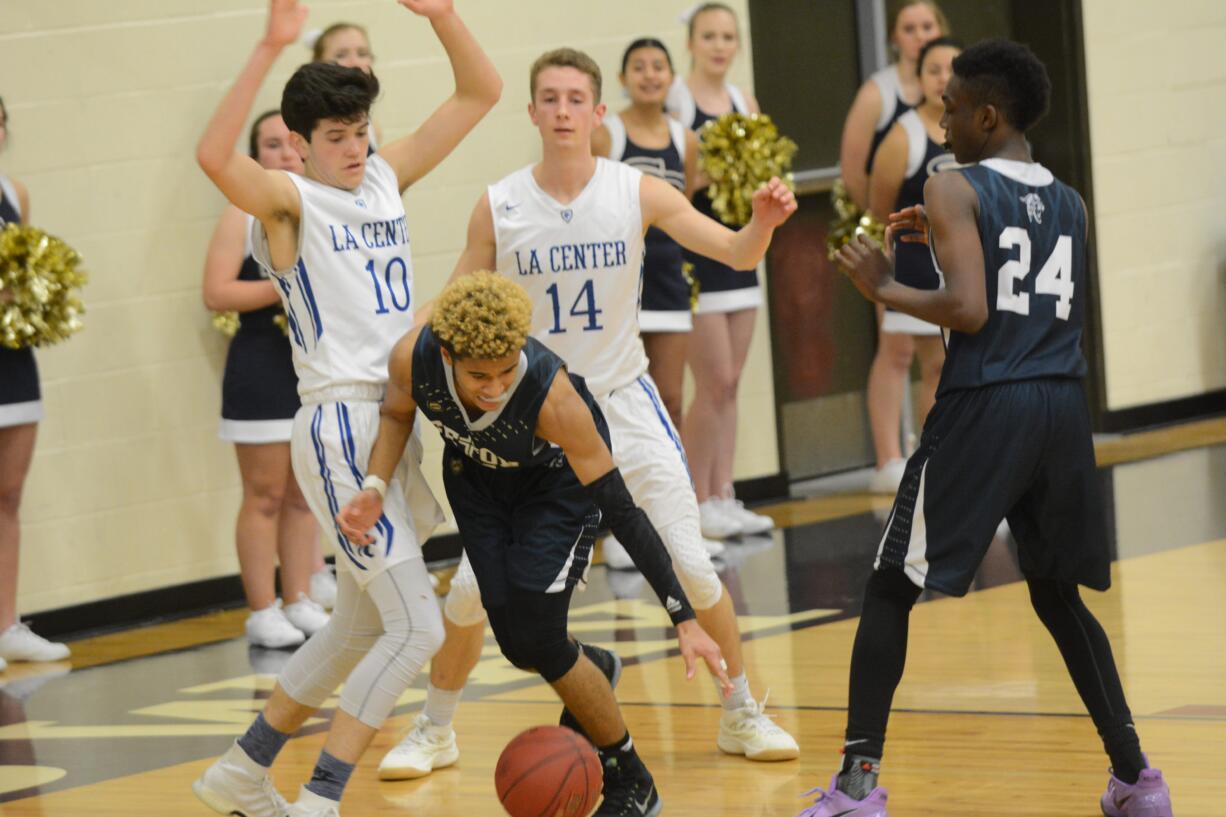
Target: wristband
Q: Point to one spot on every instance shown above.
(376, 484)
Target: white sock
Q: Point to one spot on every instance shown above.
(740, 692)
(441, 704)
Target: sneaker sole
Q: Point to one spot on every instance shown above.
(215, 801)
(414, 772)
(732, 746)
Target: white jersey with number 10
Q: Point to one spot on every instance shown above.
(582, 265)
(349, 295)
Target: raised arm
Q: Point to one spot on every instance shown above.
(479, 251)
(268, 195)
(672, 212)
(222, 290)
(567, 421)
(396, 417)
(857, 140)
(886, 177)
(952, 215)
(477, 89)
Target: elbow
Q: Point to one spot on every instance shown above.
(969, 320)
(210, 161)
(212, 301)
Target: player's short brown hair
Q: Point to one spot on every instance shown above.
(566, 58)
(482, 316)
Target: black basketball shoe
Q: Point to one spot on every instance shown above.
(629, 790)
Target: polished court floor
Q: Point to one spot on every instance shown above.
(986, 723)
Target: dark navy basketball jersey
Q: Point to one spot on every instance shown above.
(497, 439)
(1033, 231)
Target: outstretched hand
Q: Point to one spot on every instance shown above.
(695, 643)
(866, 264)
(429, 9)
(360, 515)
(773, 203)
(285, 19)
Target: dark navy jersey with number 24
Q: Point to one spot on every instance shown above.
(1033, 230)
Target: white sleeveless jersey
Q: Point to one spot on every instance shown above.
(349, 297)
(582, 265)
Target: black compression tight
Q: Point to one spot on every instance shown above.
(880, 652)
(1087, 654)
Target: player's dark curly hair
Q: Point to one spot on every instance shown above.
(321, 90)
(1008, 75)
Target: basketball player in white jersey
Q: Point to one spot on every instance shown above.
(570, 230)
(336, 243)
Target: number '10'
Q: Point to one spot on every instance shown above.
(391, 288)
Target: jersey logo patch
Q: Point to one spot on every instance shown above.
(511, 207)
(567, 215)
(360, 203)
(1034, 207)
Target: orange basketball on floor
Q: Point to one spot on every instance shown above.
(548, 771)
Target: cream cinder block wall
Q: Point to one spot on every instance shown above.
(1157, 98)
(130, 488)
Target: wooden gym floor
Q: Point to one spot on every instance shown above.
(985, 723)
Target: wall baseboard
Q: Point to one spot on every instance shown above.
(1165, 413)
(175, 602)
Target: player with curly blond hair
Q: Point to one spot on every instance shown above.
(529, 475)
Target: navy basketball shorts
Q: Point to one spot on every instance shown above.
(1020, 451)
(531, 529)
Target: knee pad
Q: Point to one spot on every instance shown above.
(463, 607)
(692, 563)
(891, 584)
(532, 649)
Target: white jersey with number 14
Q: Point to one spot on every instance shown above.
(582, 265)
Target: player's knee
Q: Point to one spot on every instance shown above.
(463, 606)
(545, 650)
(892, 585)
(692, 563)
(1053, 600)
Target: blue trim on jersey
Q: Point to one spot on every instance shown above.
(383, 525)
(295, 332)
(664, 421)
(329, 489)
(310, 298)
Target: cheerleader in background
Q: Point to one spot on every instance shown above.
(646, 138)
(21, 408)
(258, 403)
(728, 299)
(911, 152)
(887, 95)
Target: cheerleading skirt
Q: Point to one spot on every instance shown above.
(665, 305)
(20, 396)
(720, 287)
(259, 390)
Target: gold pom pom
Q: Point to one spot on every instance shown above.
(740, 153)
(226, 323)
(850, 221)
(39, 279)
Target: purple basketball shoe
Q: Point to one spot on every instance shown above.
(834, 803)
(1148, 797)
